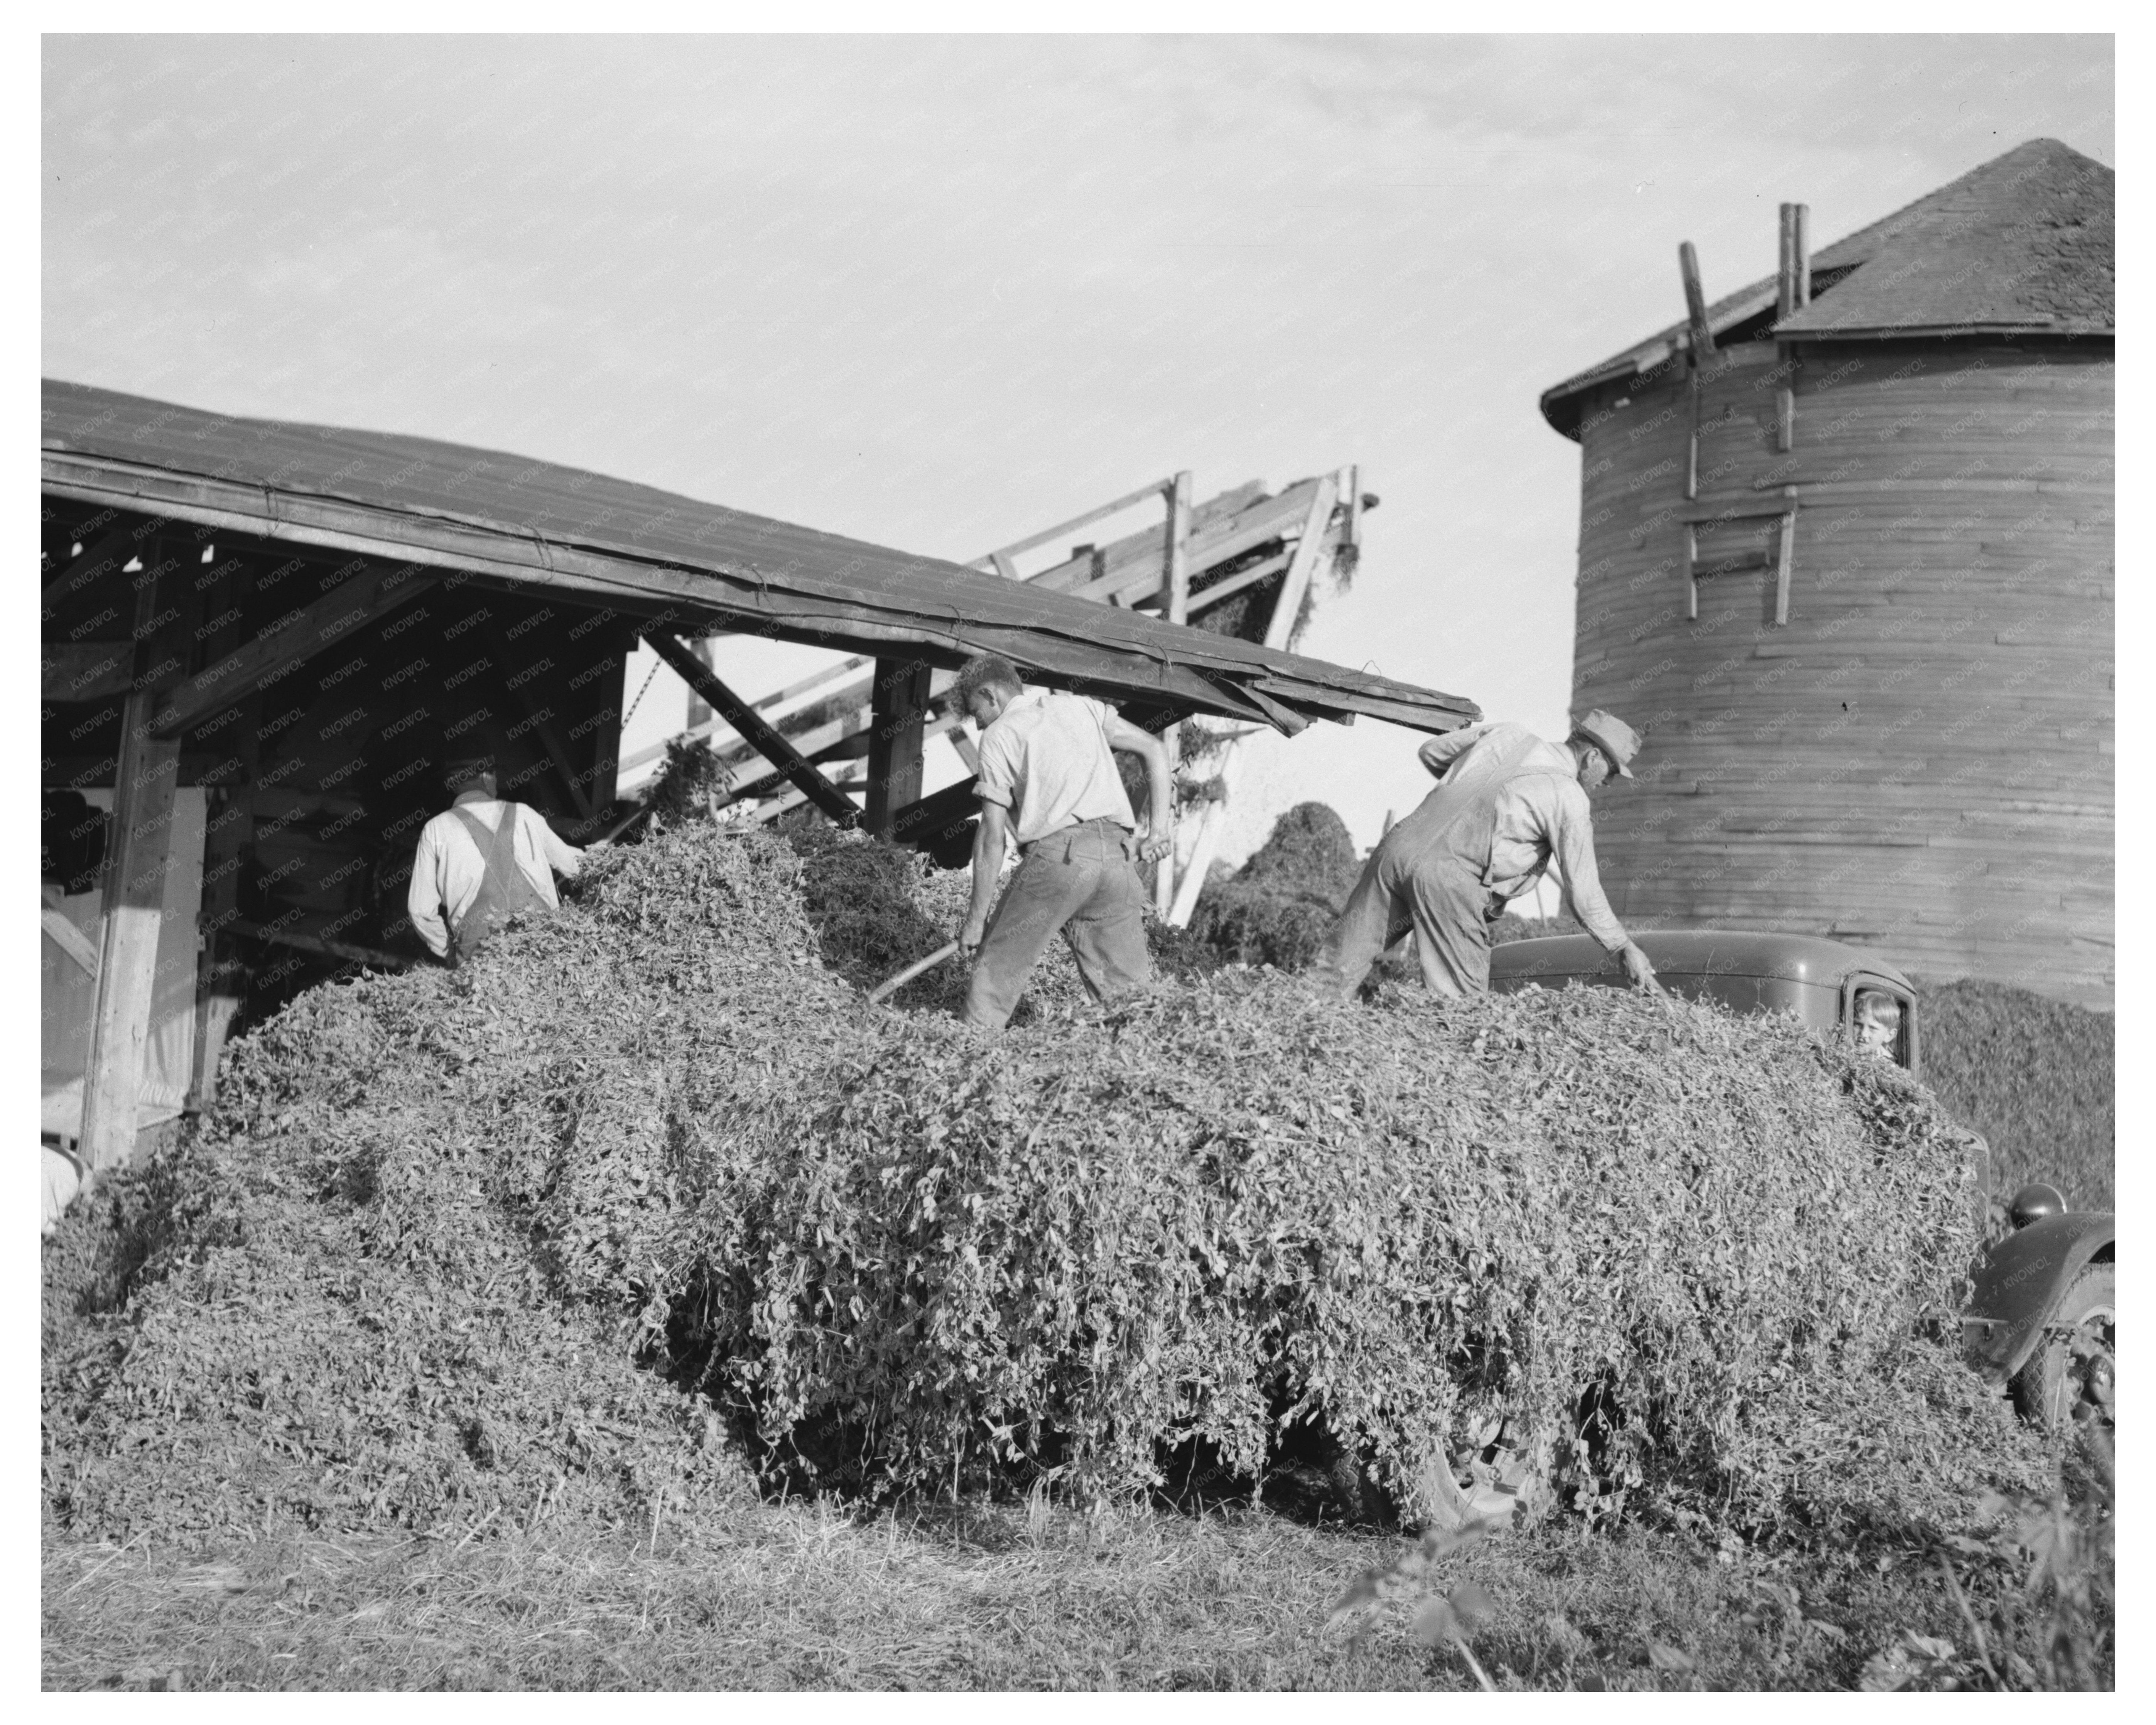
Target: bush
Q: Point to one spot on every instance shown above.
(410, 1269)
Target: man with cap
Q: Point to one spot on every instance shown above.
(482, 861)
(1506, 802)
(1048, 780)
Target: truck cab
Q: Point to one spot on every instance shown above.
(1838, 990)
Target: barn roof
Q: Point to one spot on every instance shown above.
(2022, 245)
(653, 553)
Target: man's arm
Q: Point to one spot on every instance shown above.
(989, 839)
(423, 899)
(562, 856)
(1123, 735)
(1442, 750)
(1571, 831)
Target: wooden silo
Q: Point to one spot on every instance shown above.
(1847, 561)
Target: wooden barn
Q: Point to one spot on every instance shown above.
(1845, 560)
(263, 641)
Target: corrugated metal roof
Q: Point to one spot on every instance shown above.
(2022, 245)
(652, 553)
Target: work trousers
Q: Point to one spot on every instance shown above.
(1440, 896)
(1080, 880)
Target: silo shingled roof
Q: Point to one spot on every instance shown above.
(2020, 245)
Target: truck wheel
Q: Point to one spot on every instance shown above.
(2072, 1375)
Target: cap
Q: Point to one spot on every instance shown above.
(1613, 736)
(467, 769)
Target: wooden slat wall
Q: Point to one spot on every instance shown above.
(1922, 759)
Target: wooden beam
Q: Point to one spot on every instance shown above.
(134, 890)
(97, 560)
(1180, 489)
(1703, 336)
(1296, 581)
(70, 940)
(1786, 302)
(1206, 597)
(228, 843)
(365, 598)
(345, 950)
(1007, 551)
(934, 816)
(897, 713)
(754, 728)
(86, 670)
(1785, 552)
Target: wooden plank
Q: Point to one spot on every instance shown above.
(1178, 548)
(754, 728)
(365, 598)
(897, 715)
(98, 560)
(1703, 336)
(934, 816)
(346, 950)
(1784, 552)
(1271, 518)
(1296, 581)
(1206, 597)
(1156, 489)
(86, 670)
(147, 775)
(70, 940)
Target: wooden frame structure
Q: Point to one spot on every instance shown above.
(305, 623)
(1266, 551)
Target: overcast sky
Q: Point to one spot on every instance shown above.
(939, 292)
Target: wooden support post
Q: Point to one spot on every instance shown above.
(898, 713)
(1785, 553)
(1703, 338)
(1302, 566)
(755, 730)
(1691, 572)
(1179, 497)
(227, 842)
(1177, 562)
(134, 892)
(1692, 444)
(1792, 290)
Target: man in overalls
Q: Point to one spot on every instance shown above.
(1507, 802)
(480, 863)
(1047, 778)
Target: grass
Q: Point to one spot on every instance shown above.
(809, 1596)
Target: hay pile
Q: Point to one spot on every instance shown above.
(457, 1241)
(2035, 1076)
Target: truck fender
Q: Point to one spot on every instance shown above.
(2020, 1281)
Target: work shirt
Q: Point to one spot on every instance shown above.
(1542, 813)
(1046, 759)
(448, 867)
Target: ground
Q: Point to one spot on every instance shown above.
(812, 1595)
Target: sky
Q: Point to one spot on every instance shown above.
(939, 292)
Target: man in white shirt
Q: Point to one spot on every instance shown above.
(1506, 803)
(480, 863)
(1048, 780)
